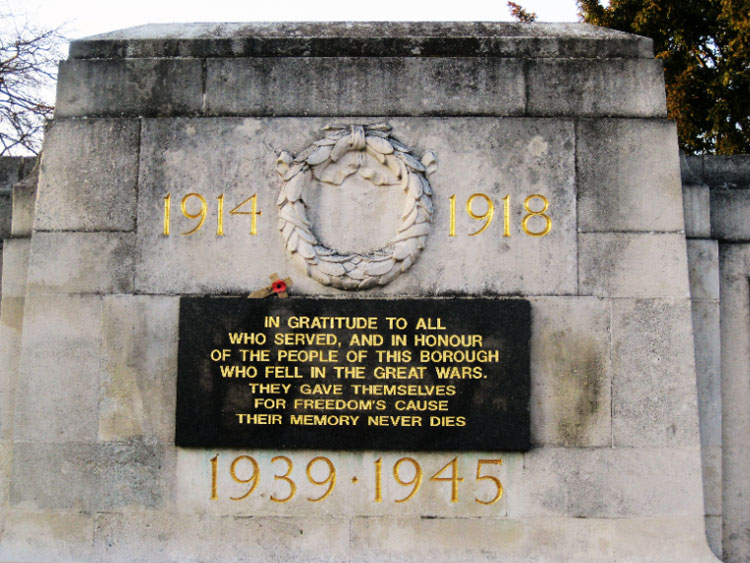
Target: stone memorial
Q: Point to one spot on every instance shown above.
(352, 292)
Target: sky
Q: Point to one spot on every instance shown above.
(81, 18)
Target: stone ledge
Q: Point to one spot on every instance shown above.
(373, 39)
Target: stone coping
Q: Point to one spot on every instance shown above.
(363, 39)
(717, 171)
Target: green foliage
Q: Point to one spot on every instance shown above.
(705, 46)
(518, 12)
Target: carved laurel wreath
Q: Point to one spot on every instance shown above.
(371, 152)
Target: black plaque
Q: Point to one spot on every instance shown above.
(349, 374)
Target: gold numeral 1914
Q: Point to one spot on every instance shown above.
(190, 210)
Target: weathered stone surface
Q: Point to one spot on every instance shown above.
(595, 88)
(350, 496)
(726, 171)
(339, 86)
(81, 263)
(24, 203)
(697, 207)
(57, 394)
(47, 536)
(90, 477)
(735, 394)
(15, 266)
(88, 175)
(11, 323)
(712, 481)
(498, 157)
(129, 87)
(6, 207)
(632, 265)
(182, 537)
(661, 539)
(707, 341)
(571, 372)
(598, 483)
(332, 39)
(713, 534)
(139, 351)
(703, 268)
(729, 214)
(6, 466)
(653, 394)
(628, 176)
(13, 169)
(401, 539)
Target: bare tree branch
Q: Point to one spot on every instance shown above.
(28, 65)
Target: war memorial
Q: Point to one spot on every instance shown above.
(372, 292)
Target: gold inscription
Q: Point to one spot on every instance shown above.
(489, 214)
(321, 471)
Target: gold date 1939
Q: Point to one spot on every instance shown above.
(407, 473)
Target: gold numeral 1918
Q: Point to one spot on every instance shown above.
(489, 214)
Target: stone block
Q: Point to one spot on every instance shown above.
(354, 490)
(15, 266)
(654, 384)
(129, 87)
(735, 394)
(90, 477)
(331, 39)
(632, 265)
(703, 269)
(595, 88)
(571, 372)
(88, 175)
(600, 483)
(350, 86)
(729, 210)
(24, 204)
(13, 169)
(628, 176)
(707, 340)
(727, 171)
(11, 322)
(81, 263)
(139, 351)
(47, 536)
(661, 539)
(696, 204)
(499, 157)
(512, 540)
(713, 534)
(138, 536)
(691, 169)
(712, 482)
(6, 208)
(6, 466)
(57, 396)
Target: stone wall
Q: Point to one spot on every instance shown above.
(717, 204)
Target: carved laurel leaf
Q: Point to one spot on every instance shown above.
(340, 148)
(379, 144)
(319, 155)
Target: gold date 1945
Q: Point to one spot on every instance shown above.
(407, 473)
